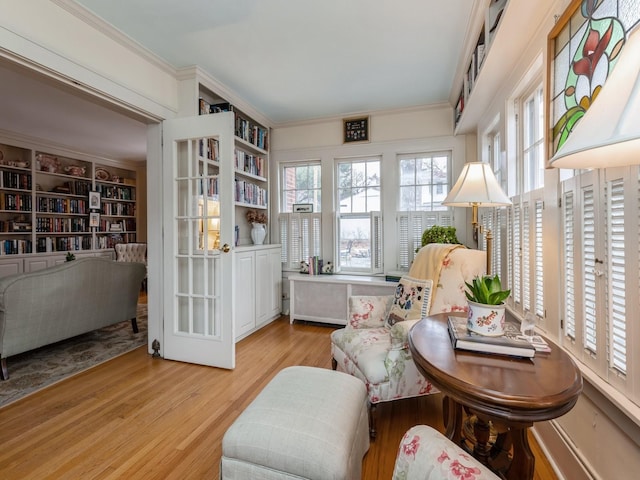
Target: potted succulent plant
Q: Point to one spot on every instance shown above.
(486, 298)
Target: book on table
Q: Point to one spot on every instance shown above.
(507, 344)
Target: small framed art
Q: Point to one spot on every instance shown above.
(94, 200)
(356, 129)
(94, 219)
(302, 208)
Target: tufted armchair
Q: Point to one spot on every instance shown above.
(376, 352)
(132, 252)
(426, 454)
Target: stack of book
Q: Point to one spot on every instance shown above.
(511, 343)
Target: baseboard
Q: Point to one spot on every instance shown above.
(561, 453)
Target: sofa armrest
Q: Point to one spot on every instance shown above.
(368, 311)
(400, 334)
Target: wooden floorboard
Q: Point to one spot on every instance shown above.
(136, 417)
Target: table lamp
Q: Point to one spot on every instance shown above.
(477, 187)
(608, 135)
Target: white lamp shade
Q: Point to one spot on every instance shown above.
(609, 133)
(476, 185)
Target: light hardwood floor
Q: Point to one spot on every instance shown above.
(136, 417)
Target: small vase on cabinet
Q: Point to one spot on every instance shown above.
(258, 232)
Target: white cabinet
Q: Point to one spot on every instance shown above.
(324, 298)
(11, 266)
(258, 287)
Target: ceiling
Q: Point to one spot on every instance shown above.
(293, 60)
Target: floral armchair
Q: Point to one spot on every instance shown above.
(426, 454)
(376, 350)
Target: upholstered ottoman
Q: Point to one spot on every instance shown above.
(307, 423)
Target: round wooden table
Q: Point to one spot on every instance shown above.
(509, 392)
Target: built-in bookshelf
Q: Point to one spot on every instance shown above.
(45, 202)
(476, 59)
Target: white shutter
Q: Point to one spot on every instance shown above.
(526, 256)
(615, 242)
(300, 236)
(410, 226)
(538, 250)
(517, 254)
(510, 254)
(497, 244)
(377, 264)
(589, 267)
(569, 260)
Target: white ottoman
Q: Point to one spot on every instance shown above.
(307, 423)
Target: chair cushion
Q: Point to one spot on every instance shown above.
(367, 350)
(411, 300)
(367, 311)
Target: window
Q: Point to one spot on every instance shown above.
(301, 183)
(533, 140)
(300, 233)
(359, 222)
(525, 266)
(424, 184)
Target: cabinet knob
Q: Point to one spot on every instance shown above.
(226, 248)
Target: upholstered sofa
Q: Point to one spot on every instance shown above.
(376, 351)
(46, 306)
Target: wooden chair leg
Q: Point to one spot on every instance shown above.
(134, 324)
(373, 409)
(334, 364)
(4, 372)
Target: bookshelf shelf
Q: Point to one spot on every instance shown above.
(44, 200)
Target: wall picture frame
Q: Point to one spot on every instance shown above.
(302, 208)
(94, 200)
(355, 129)
(94, 219)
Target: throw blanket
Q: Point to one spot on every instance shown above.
(428, 262)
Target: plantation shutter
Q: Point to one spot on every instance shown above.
(377, 265)
(300, 236)
(589, 267)
(510, 254)
(616, 278)
(526, 256)
(410, 226)
(569, 260)
(517, 255)
(538, 250)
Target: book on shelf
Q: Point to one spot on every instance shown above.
(507, 344)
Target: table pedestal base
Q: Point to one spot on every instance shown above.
(503, 448)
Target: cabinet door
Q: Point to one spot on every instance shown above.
(263, 286)
(11, 266)
(275, 267)
(245, 281)
(39, 263)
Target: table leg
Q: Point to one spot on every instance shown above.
(523, 462)
(482, 431)
(453, 420)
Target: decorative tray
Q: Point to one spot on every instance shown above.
(102, 174)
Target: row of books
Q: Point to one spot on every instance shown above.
(117, 193)
(249, 193)
(61, 205)
(75, 187)
(15, 226)
(244, 129)
(252, 164)
(209, 148)
(109, 240)
(62, 244)
(119, 209)
(512, 343)
(21, 181)
(15, 247)
(16, 201)
(62, 225)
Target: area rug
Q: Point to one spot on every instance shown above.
(34, 370)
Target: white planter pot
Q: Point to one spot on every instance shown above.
(258, 232)
(486, 319)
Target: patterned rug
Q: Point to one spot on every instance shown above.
(34, 370)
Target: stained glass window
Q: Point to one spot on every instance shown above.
(585, 48)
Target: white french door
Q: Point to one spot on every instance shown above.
(198, 240)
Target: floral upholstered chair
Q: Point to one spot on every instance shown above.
(374, 344)
(426, 454)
